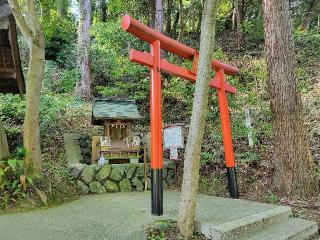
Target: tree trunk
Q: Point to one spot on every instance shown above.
(31, 130)
(238, 22)
(295, 170)
(308, 15)
(197, 123)
(83, 88)
(159, 16)
(193, 13)
(233, 26)
(4, 149)
(104, 10)
(175, 24)
(181, 19)
(200, 17)
(169, 12)
(243, 9)
(152, 9)
(62, 8)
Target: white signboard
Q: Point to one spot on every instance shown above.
(174, 153)
(173, 137)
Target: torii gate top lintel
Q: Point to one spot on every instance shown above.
(149, 35)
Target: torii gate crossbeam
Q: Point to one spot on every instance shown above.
(157, 65)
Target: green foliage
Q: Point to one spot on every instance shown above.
(11, 187)
(12, 108)
(115, 76)
(52, 107)
(156, 236)
(271, 198)
(308, 45)
(206, 157)
(161, 229)
(137, 9)
(59, 80)
(247, 157)
(59, 34)
(109, 51)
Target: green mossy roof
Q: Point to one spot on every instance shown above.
(104, 109)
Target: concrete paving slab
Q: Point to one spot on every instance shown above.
(236, 227)
(116, 216)
(293, 229)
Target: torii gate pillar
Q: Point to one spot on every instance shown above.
(156, 131)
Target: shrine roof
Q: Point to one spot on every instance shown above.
(114, 109)
(5, 9)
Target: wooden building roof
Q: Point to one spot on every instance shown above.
(111, 109)
(11, 77)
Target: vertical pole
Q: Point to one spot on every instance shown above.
(156, 131)
(226, 136)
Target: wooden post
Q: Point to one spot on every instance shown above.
(156, 131)
(226, 136)
(95, 148)
(145, 166)
(4, 149)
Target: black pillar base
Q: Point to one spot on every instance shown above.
(156, 192)
(232, 182)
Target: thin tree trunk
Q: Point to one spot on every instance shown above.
(169, 13)
(31, 130)
(295, 170)
(181, 19)
(104, 10)
(4, 149)
(308, 15)
(83, 88)
(159, 16)
(233, 26)
(200, 17)
(62, 7)
(152, 9)
(175, 24)
(196, 129)
(243, 8)
(193, 13)
(238, 22)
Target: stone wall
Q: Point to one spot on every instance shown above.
(85, 143)
(117, 177)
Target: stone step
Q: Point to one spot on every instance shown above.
(236, 228)
(290, 229)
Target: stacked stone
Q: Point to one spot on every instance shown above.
(116, 177)
(85, 143)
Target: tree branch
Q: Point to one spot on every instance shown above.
(23, 26)
(34, 22)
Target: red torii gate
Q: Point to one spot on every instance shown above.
(157, 65)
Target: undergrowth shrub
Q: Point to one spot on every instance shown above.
(59, 80)
(13, 183)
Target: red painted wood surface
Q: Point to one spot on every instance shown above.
(145, 59)
(149, 35)
(225, 121)
(155, 107)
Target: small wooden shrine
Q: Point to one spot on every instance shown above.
(118, 144)
(11, 77)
